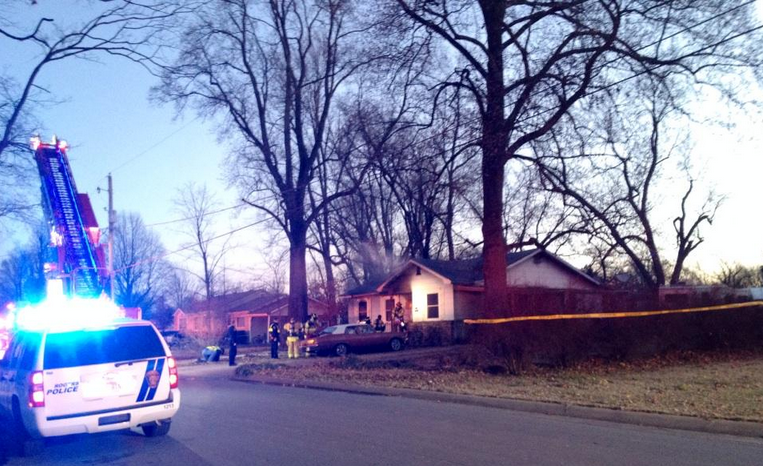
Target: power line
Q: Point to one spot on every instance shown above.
(193, 217)
(132, 159)
(260, 199)
(161, 256)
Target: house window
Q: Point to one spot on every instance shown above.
(389, 305)
(433, 306)
(362, 310)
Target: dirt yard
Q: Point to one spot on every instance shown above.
(711, 386)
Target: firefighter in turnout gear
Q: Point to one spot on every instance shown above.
(292, 330)
(275, 339)
(311, 326)
(398, 314)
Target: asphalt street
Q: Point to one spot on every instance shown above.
(223, 422)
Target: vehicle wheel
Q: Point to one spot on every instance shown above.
(396, 344)
(156, 430)
(341, 349)
(20, 442)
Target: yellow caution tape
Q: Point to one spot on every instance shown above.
(614, 315)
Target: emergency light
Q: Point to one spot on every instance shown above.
(62, 314)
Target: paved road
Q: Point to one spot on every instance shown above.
(223, 422)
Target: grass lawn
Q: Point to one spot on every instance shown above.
(706, 385)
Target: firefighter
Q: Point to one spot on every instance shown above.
(292, 329)
(233, 346)
(311, 326)
(211, 354)
(399, 318)
(275, 338)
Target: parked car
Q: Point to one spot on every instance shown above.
(172, 337)
(340, 340)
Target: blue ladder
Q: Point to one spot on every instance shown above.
(63, 210)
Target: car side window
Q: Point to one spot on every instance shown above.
(350, 331)
(362, 329)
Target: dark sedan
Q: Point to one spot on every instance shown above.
(342, 339)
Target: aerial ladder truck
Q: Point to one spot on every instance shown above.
(74, 265)
(76, 260)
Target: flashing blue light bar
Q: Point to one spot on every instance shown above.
(63, 314)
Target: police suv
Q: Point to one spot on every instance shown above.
(112, 376)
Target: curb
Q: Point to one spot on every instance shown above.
(665, 421)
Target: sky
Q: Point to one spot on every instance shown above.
(152, 153)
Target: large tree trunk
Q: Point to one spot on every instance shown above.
(298, 271)
(494, 140)
(675, 278)
(494, 248)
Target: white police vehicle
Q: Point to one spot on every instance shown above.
(103, 376)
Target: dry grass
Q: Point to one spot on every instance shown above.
(712, 386)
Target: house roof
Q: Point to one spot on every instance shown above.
(234, 301)
(258, 301)
(468, 271)
(367, 288)
(461, 272)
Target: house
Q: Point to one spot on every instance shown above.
(131, 312)
(249, 311)
(442, 291)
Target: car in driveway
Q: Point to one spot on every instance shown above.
(342, 339)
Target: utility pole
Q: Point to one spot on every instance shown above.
(112, 223)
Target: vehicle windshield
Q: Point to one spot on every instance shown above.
(87, 347)
(328, 330)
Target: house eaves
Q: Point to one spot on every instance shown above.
(417, 263)
(555, 258)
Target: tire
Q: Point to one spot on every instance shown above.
(21, 443)
(341, 349)
(395, 344)
(156, 430)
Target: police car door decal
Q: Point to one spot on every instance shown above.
(153, 379)
(144, 388)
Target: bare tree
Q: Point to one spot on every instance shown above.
(180, 289)
(275, 278)
(197, 206)
(273, 69)
(459, 158)
(624, 145)
(21, 272)
(365, 232)
(138, 263)
(740, 276)
(525, 64)
(115, 28)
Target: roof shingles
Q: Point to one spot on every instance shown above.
(459, 272)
